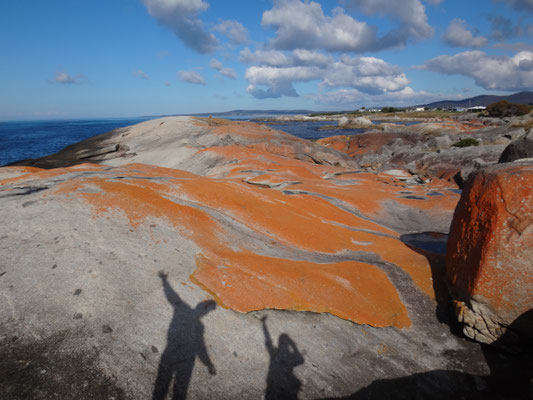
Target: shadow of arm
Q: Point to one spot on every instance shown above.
(268, 339)
(170, 294)
(203, 355)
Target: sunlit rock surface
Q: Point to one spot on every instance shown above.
(171, 241)
(428, 149)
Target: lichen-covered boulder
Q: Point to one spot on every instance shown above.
(490, 252)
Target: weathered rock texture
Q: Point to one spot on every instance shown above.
(519, 149)
(427, 149)
(258, 221)
(490, 252)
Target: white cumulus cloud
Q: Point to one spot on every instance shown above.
(65, 79)
(366, 74)
(350, 97)
(303, 25)
(140, 74)
(278, 80)
(181, 16)
(369, 75)
(234, 30)
(458, 35)
(227, 72)
(410, 14)
(192, 77)
(489, 72)
(276, 58)
(273, 58)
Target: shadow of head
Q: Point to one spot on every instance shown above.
(205, 307)
(288, 351)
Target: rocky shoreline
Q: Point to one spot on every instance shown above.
(238, 260)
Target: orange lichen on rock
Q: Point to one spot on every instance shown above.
(261, 160)
(242, 129)
(490, 251)
(351, 290)
(340, 143)
(38, 173)
(242, 280)
(276, 221)
(361, 143)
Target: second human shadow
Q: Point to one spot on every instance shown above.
(282, 383)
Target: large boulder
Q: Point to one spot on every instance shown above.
(518, 149)
(490, 252)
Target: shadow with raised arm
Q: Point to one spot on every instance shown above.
(185, 342)
(281, 381)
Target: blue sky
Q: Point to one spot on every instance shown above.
(77, 58)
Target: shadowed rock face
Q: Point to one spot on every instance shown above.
(264, 224)
(519, 149)
(490, 251)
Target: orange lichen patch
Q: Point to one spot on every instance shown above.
(340, 143)
(366, 196)
(243, 129)
(491, 240)
(154, 171)
(396, 252)
(37, 173)
(15, 174)
(263, 160)
(303, 221)
(140, 201)
(361, 143)
(300, 220)
(463, 126)
(245, 281)
(351, 290)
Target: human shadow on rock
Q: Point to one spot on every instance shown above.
(185, 342)
(511, 375)
(282, 383)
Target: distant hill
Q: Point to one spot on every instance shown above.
(235, 113)
(485, 100)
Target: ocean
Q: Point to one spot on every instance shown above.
(31, 139)
(20, 140)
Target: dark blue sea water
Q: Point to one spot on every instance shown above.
(311, 130)
(32, 139)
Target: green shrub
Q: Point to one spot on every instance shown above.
(503, 109)
(466, 142)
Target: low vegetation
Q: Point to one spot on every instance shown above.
(466, 142)
(503, 109)
(391, 110)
